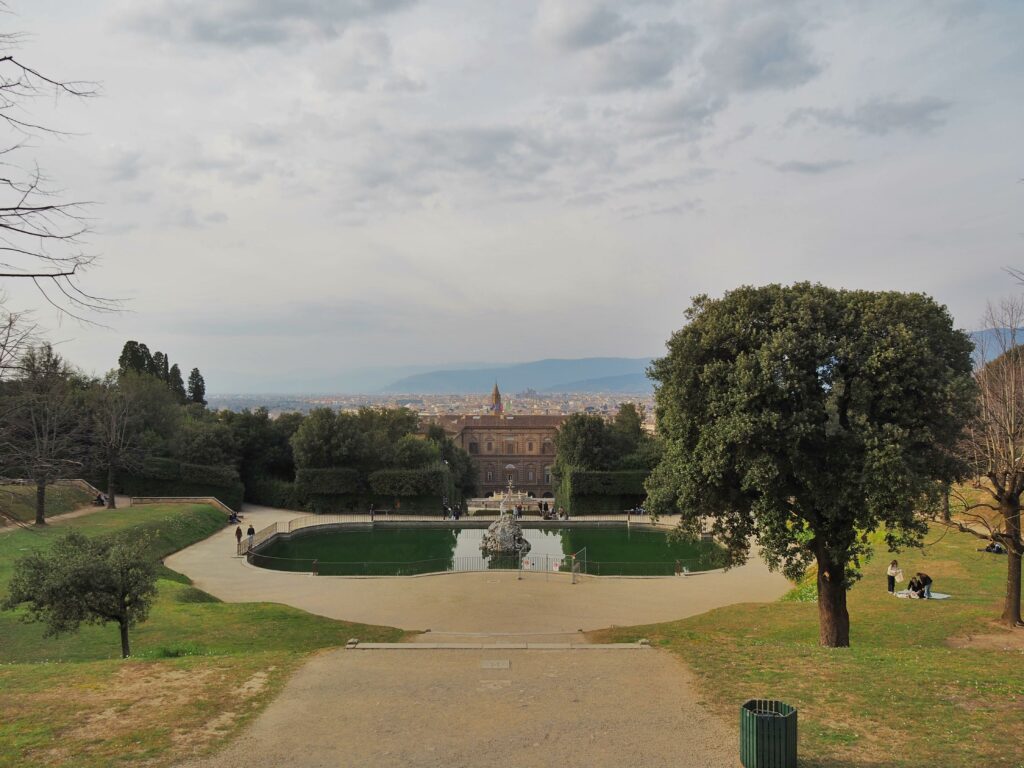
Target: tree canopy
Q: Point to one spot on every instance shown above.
(806, 417)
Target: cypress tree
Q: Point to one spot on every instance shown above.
(176, 385)
(196, 387)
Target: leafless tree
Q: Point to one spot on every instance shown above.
(41, 437)
(994, 446)
(17, 335)
(117, 416)
(41, 235)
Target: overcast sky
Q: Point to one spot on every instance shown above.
(292, 188)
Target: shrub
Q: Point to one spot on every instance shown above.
(336, 480)
(209, 475)
(272, 492)
(411, 482)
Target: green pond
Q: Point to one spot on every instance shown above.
(407, 551)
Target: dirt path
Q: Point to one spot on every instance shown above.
(454, 709)
(121, 501)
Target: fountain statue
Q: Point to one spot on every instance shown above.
(504, 536)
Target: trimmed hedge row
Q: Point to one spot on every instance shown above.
(410, 482)
(272, 492)
(333, 481)
(600, 492)
(168, 477)
(628, 482)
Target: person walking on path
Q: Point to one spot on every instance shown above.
(251, 533)
(893, 574)
(238, 538)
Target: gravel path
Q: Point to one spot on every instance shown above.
(453, 709)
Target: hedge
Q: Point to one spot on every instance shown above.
(332, 481)
(600, 492)
(168, 477)
(134, 485)
(617, 483)
(411, 482)
(272, 492)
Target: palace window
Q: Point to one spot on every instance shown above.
(490, 476)
(529, 447)
(529, 476)
(547, 475)
(474, 448)
(510, 447)
(548, 447)
(490, 447)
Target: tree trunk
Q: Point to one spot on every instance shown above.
(833, 618)
(111, 504)
(1011, 607)
(40, 502)
(125, 650)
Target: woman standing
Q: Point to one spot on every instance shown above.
(893, 574)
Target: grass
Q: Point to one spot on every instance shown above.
(911, 692)
(201, 668)
(19, 501)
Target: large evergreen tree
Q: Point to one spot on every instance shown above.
(135, 357)
(808, 417)
(176, 385)
(196, 387)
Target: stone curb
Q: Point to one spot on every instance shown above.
(496, 646)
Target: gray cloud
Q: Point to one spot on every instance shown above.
(574, 24)
(126, 166)
(660, 209)
(765, 52)
(643, 59)
(362, 60)
(689, 114)
(188, 218)
(810, 168)
(246, 23)
(882, 116)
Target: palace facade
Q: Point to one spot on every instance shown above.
(517, 448)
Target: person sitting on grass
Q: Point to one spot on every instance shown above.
(995, 548)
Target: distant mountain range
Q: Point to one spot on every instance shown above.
(588, 374)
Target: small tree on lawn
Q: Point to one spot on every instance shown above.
(807, 417)
(83, 580)
(994, 447)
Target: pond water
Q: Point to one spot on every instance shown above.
(407, 551)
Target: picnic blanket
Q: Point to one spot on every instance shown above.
(935, 595)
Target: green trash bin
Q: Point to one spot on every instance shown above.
(767, 734)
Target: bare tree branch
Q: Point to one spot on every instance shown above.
(41, 236)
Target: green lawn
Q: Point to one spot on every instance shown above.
(19, 501)
(907, 693)
(200, 669)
